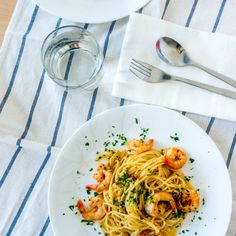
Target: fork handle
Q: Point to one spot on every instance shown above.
(218, 75)
(221, 91)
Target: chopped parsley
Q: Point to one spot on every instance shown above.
(71, 207)
(88, 191)
(147, 195)
(96, 194)
(191, 160)
(88, 222)
(136, 120)
(106, 144)
(175, 137)
(122, 204)
(122, 137)
(77, 172)
(143, 135)
(193, 218)
(203, 201)
(188, 178)
(114, 143)
(86, 144)
(124, 181)
(177, 214)
(91, 169)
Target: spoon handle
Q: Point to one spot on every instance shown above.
(218, 75)
(221, 91)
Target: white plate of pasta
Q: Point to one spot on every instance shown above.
(140, 170)
(91, 11)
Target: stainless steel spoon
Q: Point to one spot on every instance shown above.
(174, 54)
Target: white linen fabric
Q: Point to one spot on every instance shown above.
(139, 43)
(37, 116)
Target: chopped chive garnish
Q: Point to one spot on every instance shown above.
(191, 160)
(88, 191)
(71, 207)
(175, 137)
(88, 222)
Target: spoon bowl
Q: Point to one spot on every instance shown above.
(174, 54)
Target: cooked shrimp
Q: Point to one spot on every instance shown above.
(99, 174)
(102, 185)
(175, 158)
(152, 207)
(138, 146)
(95, 210)
(189, 201)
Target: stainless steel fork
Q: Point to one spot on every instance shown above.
(153, 74)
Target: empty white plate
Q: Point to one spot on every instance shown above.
(91, 11)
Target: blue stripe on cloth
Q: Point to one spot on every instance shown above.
(213, 31)
(122, 101)
(28, 123)
(107, 38)
(219, 16)
(231, 151)
(70, 59)
(12, 226)
(165, 8)
(210, 125)
(59, 118)
(92, 104)
(58, 24)
(191, 13)
(2, 180)
(45, 226)
(35, 100)
(94, 96)
(18, 60)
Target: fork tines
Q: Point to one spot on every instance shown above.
(137, 68)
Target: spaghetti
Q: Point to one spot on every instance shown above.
(141, 191)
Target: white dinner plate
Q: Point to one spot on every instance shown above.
(91, 11)
(73, 167)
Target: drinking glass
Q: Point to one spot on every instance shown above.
(72, 57)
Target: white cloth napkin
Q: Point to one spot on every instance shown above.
(216, 51)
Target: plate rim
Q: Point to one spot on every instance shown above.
(89, 20)
(126, 107)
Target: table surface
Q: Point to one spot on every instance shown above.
(6, 10)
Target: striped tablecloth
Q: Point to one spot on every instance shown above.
(37, 116)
